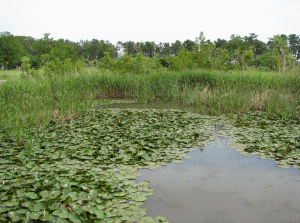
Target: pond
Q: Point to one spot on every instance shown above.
(87, 169)
(220, 185)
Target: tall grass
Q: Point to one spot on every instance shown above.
(36, 101)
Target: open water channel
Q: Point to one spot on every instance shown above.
(220, 185)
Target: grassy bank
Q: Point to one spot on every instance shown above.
(27, 103)
(10, 74)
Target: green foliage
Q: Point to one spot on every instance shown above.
(25, 66)
(189, 45)
(62, 60)
(267, 60)
(129, 47)
(62, 52)
(184, 60)
(66, 67)
(258, 46)
(204, 57)
(95, 49)
(280, 47)
(268, 136)
(107, 62)
(248, 58)
(221, 59)
(41, 47)
(176, 47)
(144, 64)
(290, 60)
(294, 44)
(206, 54)
(65, 162)
(11, 51)
(164, 61)
(125, 63)
(213, 92)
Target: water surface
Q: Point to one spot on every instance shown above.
(220, 185)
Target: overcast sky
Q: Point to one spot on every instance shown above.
(155, 20)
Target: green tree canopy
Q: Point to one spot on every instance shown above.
(221, 43)
(41, 47)
(176, 47)
(62, 52)
(189, 45)
(294, 44)
(280, 47)
(11, 51)
(258, 46)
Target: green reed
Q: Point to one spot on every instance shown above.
(25, 103)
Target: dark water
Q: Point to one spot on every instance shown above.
(220, 185)
(154, 105)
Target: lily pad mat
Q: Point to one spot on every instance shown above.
(84, 170)
(270, 137)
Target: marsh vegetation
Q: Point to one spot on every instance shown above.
(66, 157)
(70, 153)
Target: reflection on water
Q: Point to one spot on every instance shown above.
(155, 105)
(220, 185)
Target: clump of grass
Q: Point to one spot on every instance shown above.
(36, 101)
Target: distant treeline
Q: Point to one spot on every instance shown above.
(279, 53)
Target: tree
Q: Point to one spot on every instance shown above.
(221, 43)
(294, 44)
(280, 45)
(189, 45)
(62, 52)
(107, 62)
(257, 46)
(176, 47)
(271, 43)
(184, 60)
(158, 48)
(11, 51)
(41, 47)
(200, 40)
(204, 57)
(95, 49)
(247, 58)
(25, 66)
(125, 63)
(129, 47)
(62, 60)
(221, 59)
(166, 50)
(77, 46)
(148, 48)
(235, 44)
(236, 48)
(267, 60)
(44, 45)
(28, 43)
